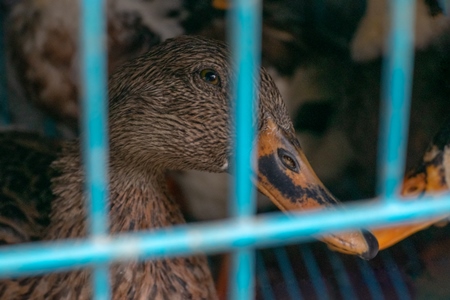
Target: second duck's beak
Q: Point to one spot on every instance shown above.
(430, 177)
(285, 176)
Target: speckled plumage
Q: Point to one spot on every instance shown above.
(162, 116)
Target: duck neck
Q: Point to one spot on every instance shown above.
(138, 200)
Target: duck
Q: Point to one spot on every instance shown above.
(169, 109)
(431, 176)
(369, 40)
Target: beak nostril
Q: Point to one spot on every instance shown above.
(288, 160)
(412, 189)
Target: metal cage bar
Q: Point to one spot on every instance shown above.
(288, 273)
(395, 102)
(247, 231)
(245, 29)
(212, 237)
(95, 133)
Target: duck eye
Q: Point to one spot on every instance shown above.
(210, 76)
(288, 160)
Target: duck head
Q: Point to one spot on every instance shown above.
(171, 109)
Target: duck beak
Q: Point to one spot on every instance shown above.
(287, 179)
(430, 177)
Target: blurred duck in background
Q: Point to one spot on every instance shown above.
(43, 50)
(431, 176)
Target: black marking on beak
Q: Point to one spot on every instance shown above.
(269, 167)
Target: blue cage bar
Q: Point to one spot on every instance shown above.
(395, 102)
(245, 46)
(244, 232)
(95, 129)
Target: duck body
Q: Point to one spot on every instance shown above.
(178, 278)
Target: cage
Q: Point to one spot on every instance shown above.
(296, 271)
